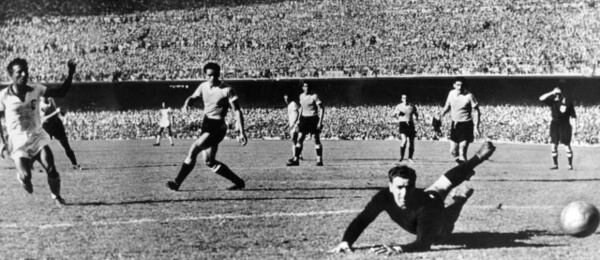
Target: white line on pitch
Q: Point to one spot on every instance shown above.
(232, 216)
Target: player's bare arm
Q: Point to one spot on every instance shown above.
(61, 91)
(239, 120)
(46, 117)
(321, 115)
(3, 145)
(477, 120)
(549, 94)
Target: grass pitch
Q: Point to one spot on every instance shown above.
(119, 207)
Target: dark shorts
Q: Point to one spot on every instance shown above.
(169, 131)
(216, 128)
(408, 129)
(55, 128)
(308, 125)
(462, 131)
(560, 132)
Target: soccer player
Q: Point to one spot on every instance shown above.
(27, 141)
(293, 111)
(54, 126)
(310, 122)
(218, 97)
(461, 104)
(166, 117)
(406, 113)
(418, 211)
(561, 128)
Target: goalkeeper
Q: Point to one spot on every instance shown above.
(418, 211)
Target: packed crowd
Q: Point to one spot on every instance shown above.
(507, 123)
(172, 39)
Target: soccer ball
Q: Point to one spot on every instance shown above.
(579, 219)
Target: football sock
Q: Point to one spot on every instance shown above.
(223, 170)
(54, 184)
(297, 152)
(184, 172)
(570, 157)
(71, 156)
(411, 151)
(555, 158)
(461, 172)
(402, 151)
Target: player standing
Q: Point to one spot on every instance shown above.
(561, 129)
(406, 113)
(218, 97)
(418, 211)
(166, 117)
(310, 122)
(54, 126)
(293, 112)
(461, 104)
(27, 140)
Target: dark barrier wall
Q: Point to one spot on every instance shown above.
(349, 91)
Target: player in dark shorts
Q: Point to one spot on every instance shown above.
(310, 122)
(54, 126)
(461, 104)
(418, 211)
(561, 129)
(406, 114)
(217, 97)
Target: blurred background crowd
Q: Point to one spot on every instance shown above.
(504, 123)
(128, 40)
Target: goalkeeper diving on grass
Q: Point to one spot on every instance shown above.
(418, 211)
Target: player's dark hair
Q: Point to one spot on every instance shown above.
(18, 61)
(307, 85)
(463, 80)
(403, 172)
(213, 66)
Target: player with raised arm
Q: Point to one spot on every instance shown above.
(418, 211)
(406, 113)
(310, 122)
(218, 97)
(54, 126)
(27, 141)
(462, 104)
(166, 117)
(561, 127)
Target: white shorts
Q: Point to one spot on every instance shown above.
(164, 123)
(27, 145)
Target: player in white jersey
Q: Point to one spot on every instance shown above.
(218, 97)
(461, 104)
(54, 126)
(406, 113)
(27, 140)
(310, 122)
(293, 111)
(166, 117)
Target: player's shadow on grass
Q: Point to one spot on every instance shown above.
(315, 189)
(540, 180)
(151, 201)
(486, 240)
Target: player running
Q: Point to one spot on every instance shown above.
(310, 122)
(54, 126)
(406, 113)
(561, 128)
(461, 104)
(218, 97)
(418, 211)
(27, 140)
(166, 117)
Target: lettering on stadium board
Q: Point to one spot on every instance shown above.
(178, 86)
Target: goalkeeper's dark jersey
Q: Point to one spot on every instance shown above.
(422, 216)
